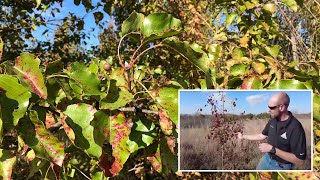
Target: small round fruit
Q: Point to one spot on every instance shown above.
(259, 68)
(106, 66)
(153, 94)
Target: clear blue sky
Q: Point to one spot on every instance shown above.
(68, 6)
(254, 102)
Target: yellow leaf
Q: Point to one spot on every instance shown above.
(244, 40)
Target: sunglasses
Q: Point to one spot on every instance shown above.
(273, 107)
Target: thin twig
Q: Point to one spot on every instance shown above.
(146, 50)
(57, 75)
(81, 172)
(133, 109)
(144, 87)
(120, 60)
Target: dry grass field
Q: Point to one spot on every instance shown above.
(199, 153)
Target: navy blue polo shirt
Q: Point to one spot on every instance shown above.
(288, 136)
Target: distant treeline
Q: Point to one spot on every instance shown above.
(205, 121)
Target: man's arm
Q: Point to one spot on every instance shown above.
(254, 137)
(290, 157)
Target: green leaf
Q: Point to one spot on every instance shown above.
(292, 4)
(238, 69)
(132, 23)
(201, 60)
(248, 5)
(79, 118)
(287, 84)
(116, 97)
(168, 98)
(214, 52)
(160, 25)
(98, 16)
(142, 135)
(77, 66)
(98, 176)
(17, 92)
(7, 160)
(101, 124)
(118, 139)
(316, 107)
(273, 50)
(93, 68)
(118, 74)
(27, 68)
(50, 143)
(230, 18)
(169, 160)
(28, 134)
(88, 81)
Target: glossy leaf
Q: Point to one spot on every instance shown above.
(287, 84)
(132, 23)
(79, 118)
(201, 59)
(50, 143)
(118, 139)
(27, 132)
(27, 68)
(88, 81)
(15, 91)
(101, 124)
(116, 97)
(142, 134)
(273, 50)
(7, 160)
(238, 69)
(316, 107)
(160, 25)
(168, 98)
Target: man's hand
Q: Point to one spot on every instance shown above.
(240, 136)
(265, 147)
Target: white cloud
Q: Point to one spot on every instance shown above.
(256, 99)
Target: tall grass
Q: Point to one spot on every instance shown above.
(197, 152)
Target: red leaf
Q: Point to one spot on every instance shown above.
(105, 165)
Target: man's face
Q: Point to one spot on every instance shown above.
(274, 109)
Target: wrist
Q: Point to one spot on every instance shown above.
(273, 150)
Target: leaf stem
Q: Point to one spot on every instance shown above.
(143, 52)
(119, 57)
(57, 75)
(81, 172)
(144, 87)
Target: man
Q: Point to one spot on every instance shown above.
(286, 145)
